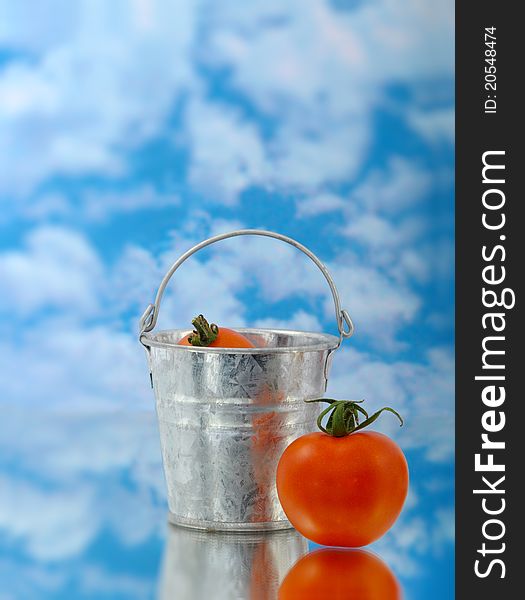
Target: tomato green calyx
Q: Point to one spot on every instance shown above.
(344, 416)
(204, 334)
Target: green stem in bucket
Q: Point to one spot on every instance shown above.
(344, 416)
(204, 334)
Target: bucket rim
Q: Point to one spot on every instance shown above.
(326, 341)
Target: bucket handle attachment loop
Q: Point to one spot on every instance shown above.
(345, 325)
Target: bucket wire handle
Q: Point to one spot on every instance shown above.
(344, 322)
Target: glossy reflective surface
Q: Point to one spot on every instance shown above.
(340, 574)
(222, 566)
(84, 515)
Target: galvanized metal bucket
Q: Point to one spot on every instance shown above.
(226, 415)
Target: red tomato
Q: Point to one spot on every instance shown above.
(226, 338)
(342, 491)
(205, 334)
(340, 575)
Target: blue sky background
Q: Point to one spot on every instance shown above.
(130, 130)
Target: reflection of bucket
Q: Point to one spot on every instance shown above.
(226, 415)
(223, 566)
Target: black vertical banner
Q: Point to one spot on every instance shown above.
(490, 258)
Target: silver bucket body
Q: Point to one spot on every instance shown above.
(225, 418)
(226, 415)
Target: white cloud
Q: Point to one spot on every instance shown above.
(227, 152)
(316, 72)
(319, 204)
(423, 392)
(421, 532)
(284, 56)
(48, 205)
(306, 156)
(389, 219)
(74, 353)
(98, 206)
(89, 95)
(414, 538)
(134, 279)
(319, 74)
(97, 581)
(57, 268)
(101, 206)
(63, 531)
(379, 306)
(404, 41)
(59, 504)
(79, 366)
(379, 233)
(445, 531)
(298, 67)
(209, 288)
(399, 186)
(26, 27)
(435, 125)
(396, 249)
(300, 321)
(317, 47)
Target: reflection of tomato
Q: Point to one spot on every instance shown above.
(264, 576)
(342, 491)
(331, 574)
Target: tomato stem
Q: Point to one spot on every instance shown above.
(204, 334)
(344, 416)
